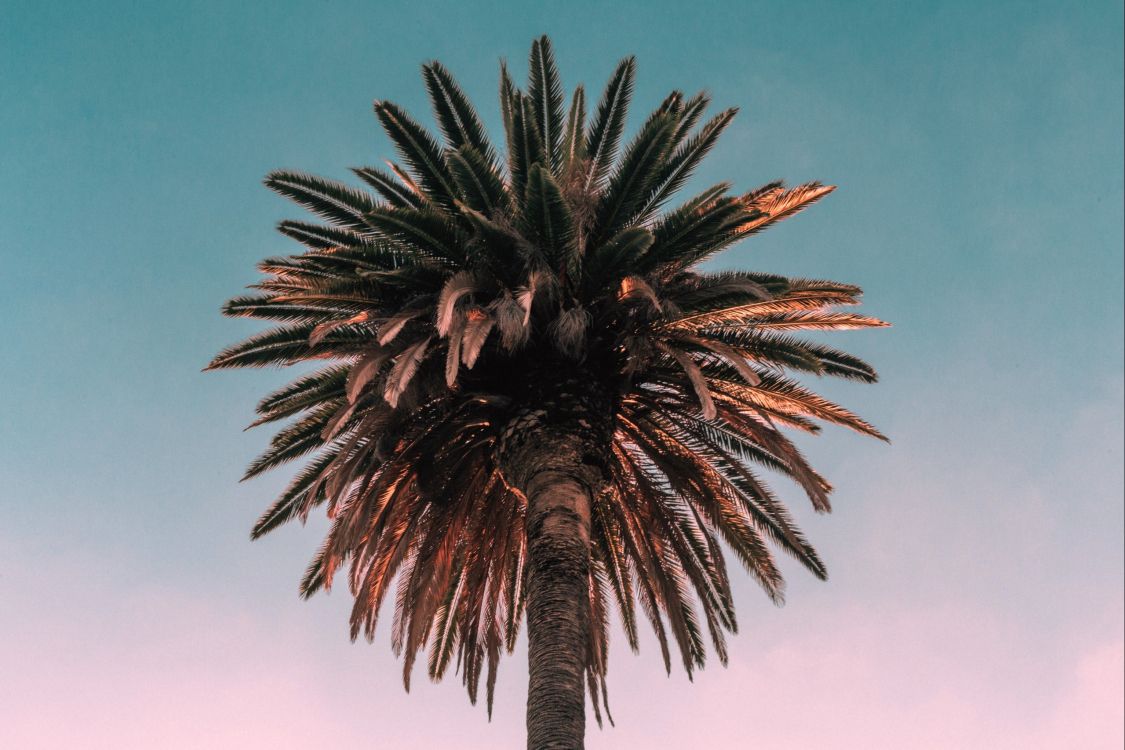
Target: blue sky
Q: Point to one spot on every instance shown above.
(979, 155)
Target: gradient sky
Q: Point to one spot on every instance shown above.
(975, 598)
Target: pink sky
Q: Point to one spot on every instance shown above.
(158, 669)
(923, 639)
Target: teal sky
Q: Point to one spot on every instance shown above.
(977, 571)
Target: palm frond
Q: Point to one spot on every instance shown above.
(573, 149)
(545, 93)
(547, 216)
(609, 121)
(389, 187)
(456, 115)
(635, 175)
(330, 200)
(419, 150)
(480, 185)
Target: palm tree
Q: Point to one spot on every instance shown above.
(529, 398)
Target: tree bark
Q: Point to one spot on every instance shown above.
(554, 451)
(558, 558)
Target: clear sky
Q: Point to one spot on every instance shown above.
(976, 590)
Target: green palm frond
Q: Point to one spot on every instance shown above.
(318, 236)
(635, 175)
(545, 93)
(419, 150)
(608, 124)
(481, 186)
(573, 149)
(678, 168)
(330, 200)
(547, 216)
(456, 115)
(389, 187)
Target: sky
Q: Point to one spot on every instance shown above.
(976, 566)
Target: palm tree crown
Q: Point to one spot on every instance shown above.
(479, 299)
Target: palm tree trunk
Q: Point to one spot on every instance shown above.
(555, 452)
(558, 550)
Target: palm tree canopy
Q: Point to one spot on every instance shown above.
(473, 292)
